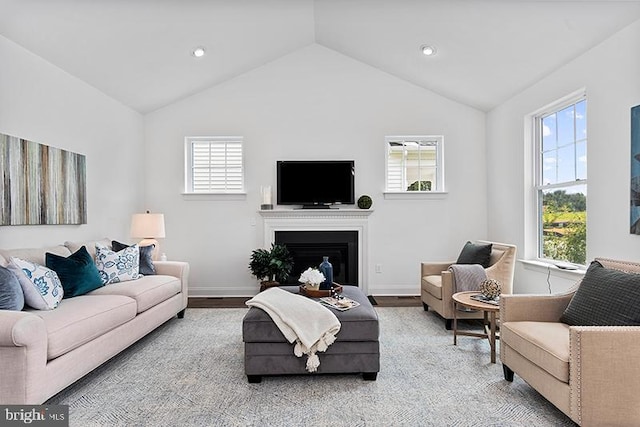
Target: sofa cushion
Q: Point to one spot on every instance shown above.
(473, 253)
(147, 291)
(77, 272)
(11, 295)
(81, 319)
(146, 266)
(119, 266)
(546, 344)
(433, 285)
(41, 286)
(605, 297)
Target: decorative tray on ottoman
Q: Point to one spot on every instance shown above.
(319, 293)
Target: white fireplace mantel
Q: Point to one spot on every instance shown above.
(323, 220)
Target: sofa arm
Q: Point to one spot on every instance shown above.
(21, 329)
(177, 269)
(23, 352)
(605, 375)
(434, 268)
(535, 308)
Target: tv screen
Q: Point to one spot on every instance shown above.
(315, 182)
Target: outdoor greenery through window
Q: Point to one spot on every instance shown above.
(214, 164)
(562, 182)
(414, 163)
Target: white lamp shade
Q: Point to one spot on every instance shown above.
(147, 226)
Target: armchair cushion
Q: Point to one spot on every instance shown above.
(433, 285)
(546, 344)
(606, 297)
(474, 253)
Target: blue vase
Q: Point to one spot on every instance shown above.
(327, 270)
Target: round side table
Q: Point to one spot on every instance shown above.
(489, 310)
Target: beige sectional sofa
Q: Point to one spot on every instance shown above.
(42, 352)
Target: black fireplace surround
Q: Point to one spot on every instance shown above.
(308, 248)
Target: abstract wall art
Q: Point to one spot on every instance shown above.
(41, 184)
(635, 171)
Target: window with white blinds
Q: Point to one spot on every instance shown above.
(214, 164)
(414, 163)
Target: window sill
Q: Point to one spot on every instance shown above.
(548, 267)
(411, 195)
(214, 196)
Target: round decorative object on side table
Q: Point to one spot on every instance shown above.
(364, 202)
(490, 288)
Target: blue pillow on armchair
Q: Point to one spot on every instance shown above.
(77, 272)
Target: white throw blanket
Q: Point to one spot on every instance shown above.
(307, 323)
(467, 277)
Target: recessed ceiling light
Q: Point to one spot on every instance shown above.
(198, 52)
(428, 50)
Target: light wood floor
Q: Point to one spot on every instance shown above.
(387, 301)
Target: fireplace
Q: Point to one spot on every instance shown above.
(308, 248)
(355, 221)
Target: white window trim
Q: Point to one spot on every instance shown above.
(532, 209)
(188, 193)
(438, 192)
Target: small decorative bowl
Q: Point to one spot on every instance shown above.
(490, 288)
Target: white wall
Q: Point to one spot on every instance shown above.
(316, 104)
(44, 104)
(610, 72)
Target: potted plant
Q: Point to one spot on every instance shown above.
(271, 266)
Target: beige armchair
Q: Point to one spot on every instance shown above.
(591, 373)
(437, 281)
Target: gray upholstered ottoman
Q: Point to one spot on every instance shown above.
(356, 349)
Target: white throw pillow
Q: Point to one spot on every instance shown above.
(41, 286)
(117, 267)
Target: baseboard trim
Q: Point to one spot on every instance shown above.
(246, 291)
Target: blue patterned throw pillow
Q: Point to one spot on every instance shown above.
(41, 286)
(119, 266)
(146, 257)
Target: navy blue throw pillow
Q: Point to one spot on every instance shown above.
(77, 272)
(11, 296)
(146, 266)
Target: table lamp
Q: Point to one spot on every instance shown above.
(148, 227)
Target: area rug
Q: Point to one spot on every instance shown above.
(189, 372)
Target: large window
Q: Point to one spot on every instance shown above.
(414, 163)
(561, 181)
(214, 165)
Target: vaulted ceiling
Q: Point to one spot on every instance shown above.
(139, 51)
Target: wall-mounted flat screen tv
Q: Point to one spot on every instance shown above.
(315, 183)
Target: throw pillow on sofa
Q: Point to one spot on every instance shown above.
(41, 286)
(146, 257)
(77, 272)
(605, 297)
(473, 253)
(11, 295)
(118, 266)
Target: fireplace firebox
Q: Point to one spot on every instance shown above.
(308, 248)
